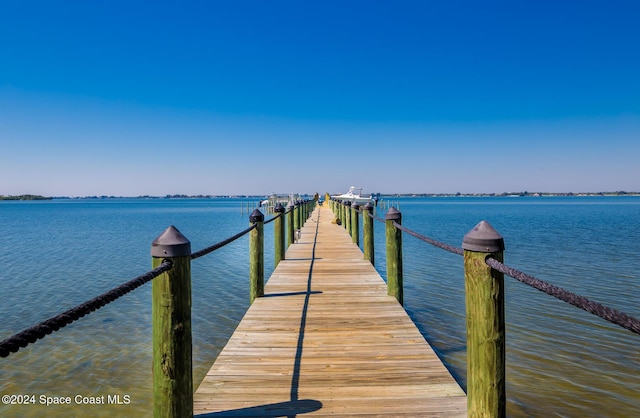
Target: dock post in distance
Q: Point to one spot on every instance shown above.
(355, 227)
(347, 216)
(290, 224)
(367, 233)
(296, 219)
(278, 234)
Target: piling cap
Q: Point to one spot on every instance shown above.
(392, 214)
(279, 208)
(368, 206)
(355, 205)
(347, 203)
(171, 243)
(256, 216)
(483, 238)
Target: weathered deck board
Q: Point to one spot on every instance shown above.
(327, 340)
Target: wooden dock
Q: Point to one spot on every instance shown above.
(326, 340)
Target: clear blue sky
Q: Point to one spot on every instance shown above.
(217, 97)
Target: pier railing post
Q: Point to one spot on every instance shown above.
(296, 218)
(305, 212)
(394, 254)
(484, 287)
(343, 213)
(290, 224)
(347, 216)
(256, 256)
(367, 233)
(171, 312)
(355, 227)
(278, 234)
(301, 214)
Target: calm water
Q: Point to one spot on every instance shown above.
(561, 361)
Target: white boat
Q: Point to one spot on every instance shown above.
(353, 195)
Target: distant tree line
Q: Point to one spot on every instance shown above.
(25, 197)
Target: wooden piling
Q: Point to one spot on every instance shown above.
(344, 215)
(484, 287)
(347, 216)
(278, 234)
(290, 225)
(367, 233)
(355, 227)
(305, 213)
(171, 312)
(296, 217)
(256, 256)
(394, 254)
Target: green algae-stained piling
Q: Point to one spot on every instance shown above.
(367, 233)
(171, 310)
(355, 227)
(394, 254)
(296, 218)
(278, 234)
(347, 217)
(290, 225)
(327, 340)
(256, 256)
(484, 289)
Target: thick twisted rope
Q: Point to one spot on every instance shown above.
(221, 244)
(431, 241)
(609, 314)
(372, 216)
(36, 332)
(612, 315)
(273, 219)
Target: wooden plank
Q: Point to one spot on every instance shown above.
(327, 340)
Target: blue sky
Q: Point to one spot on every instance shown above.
(215, 97)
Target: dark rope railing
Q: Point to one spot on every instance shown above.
(273, 219)
(36, 332)
(372, 216)
(428, 240)
(609, 314)
(221, 244)
(612, 315)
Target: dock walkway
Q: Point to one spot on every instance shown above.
(327, 340)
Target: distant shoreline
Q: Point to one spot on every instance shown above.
(25, 197)
(382, 195)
